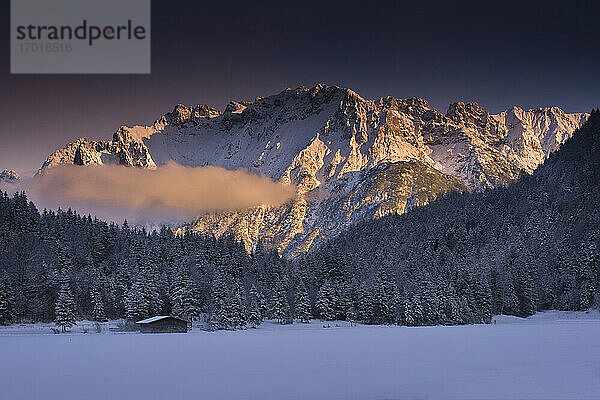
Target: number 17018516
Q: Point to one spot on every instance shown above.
(45, 47)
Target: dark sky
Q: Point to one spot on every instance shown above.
(499, 54)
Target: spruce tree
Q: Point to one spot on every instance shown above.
(151, 285)
(262, 306)
(343, 301)
(253, 313)
(483, 302)
(326, 302)
(222, 300)
(384, 303)
(64, 309)
(98, 312)
(413, 311)
(136, 304)
(587, 274)
(364, 312)
(238, 314)
(506, 300)
(6, 310)
(526, 292)
(302, 304)
(280, 309)
(183, 299)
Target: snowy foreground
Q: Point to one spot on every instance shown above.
(552, 355)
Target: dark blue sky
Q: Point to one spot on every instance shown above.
(499, 54)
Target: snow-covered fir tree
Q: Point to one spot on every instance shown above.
(383, 305)
(254, 315)
(326, 302)
(262, 306)
(151, 284)
(222, 301)
(280, 309)
(302, 305)
(64, 309)
(6, 311)
(136, 304)
(238, 312)
(364, 310)
(183, 299)
(98, 312)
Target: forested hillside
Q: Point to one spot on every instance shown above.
(61, 266)
(512, 250)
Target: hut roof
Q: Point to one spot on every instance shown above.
(158, 318)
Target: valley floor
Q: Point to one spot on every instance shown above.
(552, 355)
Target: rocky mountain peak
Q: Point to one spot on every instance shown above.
(413, 106)
(204, 111)
(318, 95)
(122, 135)
(467, 113)
(236, 107)
(179, 115)
(322, 93)
(183, 114)
(9, 176)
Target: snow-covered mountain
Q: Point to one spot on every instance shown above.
(9, 176)
(350, 158)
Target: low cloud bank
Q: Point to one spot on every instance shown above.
(170, 191)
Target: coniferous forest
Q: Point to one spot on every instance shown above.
(512, 250)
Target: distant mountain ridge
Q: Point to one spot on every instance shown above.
(9, 176)
(351, 158)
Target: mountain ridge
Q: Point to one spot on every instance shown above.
(329, 142)
(9, 176)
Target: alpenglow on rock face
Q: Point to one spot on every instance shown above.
(9, 176)
(351, 158)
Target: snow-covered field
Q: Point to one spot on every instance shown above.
(552, 355)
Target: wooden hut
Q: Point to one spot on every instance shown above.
(163, 324)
